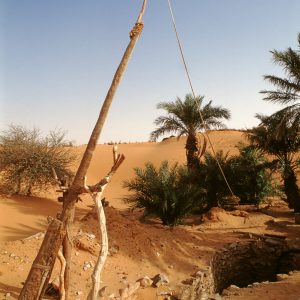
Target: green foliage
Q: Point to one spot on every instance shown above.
(282, 128)
(278, 135)
(27, 159)
(246, 174)
(249, 176)
(183, 118)
(288, 88)
(211, 179)
(166, 192)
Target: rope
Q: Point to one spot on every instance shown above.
(194, 96)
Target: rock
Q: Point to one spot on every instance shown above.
(160, 279)
(7, 295)
(129, 291)
(114, 250)
(145, 281)
(281, 277)
(225, 293)
(233, 287)
(79, 293)
(101, 292)
(233, 245)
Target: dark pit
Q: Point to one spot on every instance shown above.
(243, 263)
(247, 262)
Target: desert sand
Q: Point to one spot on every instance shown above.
(137, 249)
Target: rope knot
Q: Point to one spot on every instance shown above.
(136, 30)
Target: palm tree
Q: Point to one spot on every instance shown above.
(281, 130)
(278, 135)
(183, 117)
(288, 89)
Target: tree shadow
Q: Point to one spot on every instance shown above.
(35, 209)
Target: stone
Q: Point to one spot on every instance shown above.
(160, 279)
(129, 291)
(79, 293)
(233, 287)
(101, 292)
(281, 277)
(7, 295)
(114, 250)
(145, 281)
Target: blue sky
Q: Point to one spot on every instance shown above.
(57, 60)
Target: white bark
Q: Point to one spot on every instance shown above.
(96, 276)
(62, 260)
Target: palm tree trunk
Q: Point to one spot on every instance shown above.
(291, 189)
(192, 151)
(77, 185)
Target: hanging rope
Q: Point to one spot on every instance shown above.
(194, 96)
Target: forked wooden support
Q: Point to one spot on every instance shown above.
(96, 195)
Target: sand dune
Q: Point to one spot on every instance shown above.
(142, 248)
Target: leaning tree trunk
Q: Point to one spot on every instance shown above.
(77, 185)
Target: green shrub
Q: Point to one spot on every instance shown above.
(211, 179)
(250, 176)
(166, 192)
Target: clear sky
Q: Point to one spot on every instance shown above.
(58, 57)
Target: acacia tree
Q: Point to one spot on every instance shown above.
(183, 117)
(27, 159)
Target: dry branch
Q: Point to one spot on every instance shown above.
(96, 196)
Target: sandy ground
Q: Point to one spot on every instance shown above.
(136, 249)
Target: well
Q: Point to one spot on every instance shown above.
(243, 263)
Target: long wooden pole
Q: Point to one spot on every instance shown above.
(77, 185)
(69, 208)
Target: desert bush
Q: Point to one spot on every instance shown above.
(27, 159)
(166, 192)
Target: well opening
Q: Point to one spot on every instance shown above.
(246, 262)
